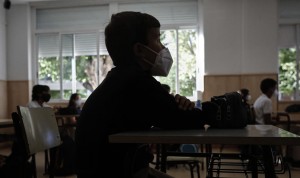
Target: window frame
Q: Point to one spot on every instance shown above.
(295, 96)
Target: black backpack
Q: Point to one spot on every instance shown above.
(228, 111)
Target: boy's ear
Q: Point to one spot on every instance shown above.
(140, 53)
(138, 50)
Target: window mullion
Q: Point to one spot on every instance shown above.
(297, 93)
(61, 66)
(98, 59)
(177, 63)
(73, 63)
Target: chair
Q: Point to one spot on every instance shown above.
(243, 162)
(191, 161)
(36, 130)
(67, 123)
(284, 119)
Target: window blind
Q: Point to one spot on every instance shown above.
(168, 13)
(289, 9)
(287, 36)
(48, 45)
(89, 17)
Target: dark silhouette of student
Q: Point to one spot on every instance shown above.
(130, 99)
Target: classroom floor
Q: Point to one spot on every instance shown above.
(179, 171)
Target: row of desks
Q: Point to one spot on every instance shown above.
(264, 135)
(6, 123)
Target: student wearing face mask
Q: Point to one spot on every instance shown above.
(40, 96)
(117, 104)
(74, 106)
(75, 103)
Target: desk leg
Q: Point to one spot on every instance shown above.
(254, 170)
(46, 164)
(163, 159)
(34, 166)
(158, 156)
(268, 162)
(209, 160)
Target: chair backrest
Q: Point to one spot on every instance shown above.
(189, 148)
(39, 128)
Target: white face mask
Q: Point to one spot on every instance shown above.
(78, 103)
(163, 62)
(276, 93)
(248, 98)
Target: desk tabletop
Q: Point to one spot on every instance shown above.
(252, 134)
(4, 123)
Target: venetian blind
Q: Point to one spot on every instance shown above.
(168, 13)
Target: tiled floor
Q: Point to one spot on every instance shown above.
(180, 171)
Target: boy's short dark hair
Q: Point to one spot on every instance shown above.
(267, 84)
(37, 90)
(244, 91)
(124, 30)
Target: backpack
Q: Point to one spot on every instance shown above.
(228, 111)
(293, 108)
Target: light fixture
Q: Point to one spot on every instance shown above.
(6, 4)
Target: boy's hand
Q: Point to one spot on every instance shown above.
(184, 103)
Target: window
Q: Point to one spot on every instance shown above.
(182, 46)
(71, 53)
(289, 60)
(288, 74)
(74, 66)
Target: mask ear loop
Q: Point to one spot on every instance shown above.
(149, 49)
(145, 60)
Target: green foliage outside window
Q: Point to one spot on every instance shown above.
(87, 67)
(187, 61)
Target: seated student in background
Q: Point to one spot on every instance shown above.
(75, 103)
(263, 104)
(40, 96)
(74, 106)
(130, 99)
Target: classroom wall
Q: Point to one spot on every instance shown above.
(18, 56)
(240, 45)
(3, 90)
(2, 44)
(240, 36)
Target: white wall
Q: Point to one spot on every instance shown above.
(240, 36)
(18, 43)
(2, 44)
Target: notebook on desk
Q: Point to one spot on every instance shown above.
(40, 127)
